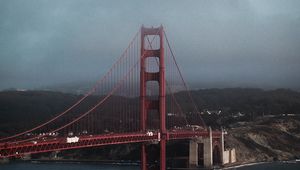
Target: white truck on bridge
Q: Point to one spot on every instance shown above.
(72, 139)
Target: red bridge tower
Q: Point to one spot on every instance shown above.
(145, 103)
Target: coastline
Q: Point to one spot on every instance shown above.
(247, 164)
(259, 163)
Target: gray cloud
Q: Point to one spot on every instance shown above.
(248, 43)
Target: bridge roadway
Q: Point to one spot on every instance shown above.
(19, 149)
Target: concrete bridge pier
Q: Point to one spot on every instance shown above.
(193, 157)
(208, 151)
(212, 151)
(4, 160)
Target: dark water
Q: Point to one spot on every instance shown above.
(64, 166)
(272, 166)
(89, 166)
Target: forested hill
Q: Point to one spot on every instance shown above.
(249, 101)
(22, 109)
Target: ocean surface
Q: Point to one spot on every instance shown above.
(64, 166)
(91, 166)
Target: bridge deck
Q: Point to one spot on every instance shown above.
(15, 149)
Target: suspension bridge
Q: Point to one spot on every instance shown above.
(142, 99)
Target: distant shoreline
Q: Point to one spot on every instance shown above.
(260, 163)
(246, 164)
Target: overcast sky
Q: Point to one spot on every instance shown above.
(218, 43)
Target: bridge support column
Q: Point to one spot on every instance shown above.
(143, 157)
(207, 151)
(193, 157)
(4, 160)
(163, 154)
(222, 147)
